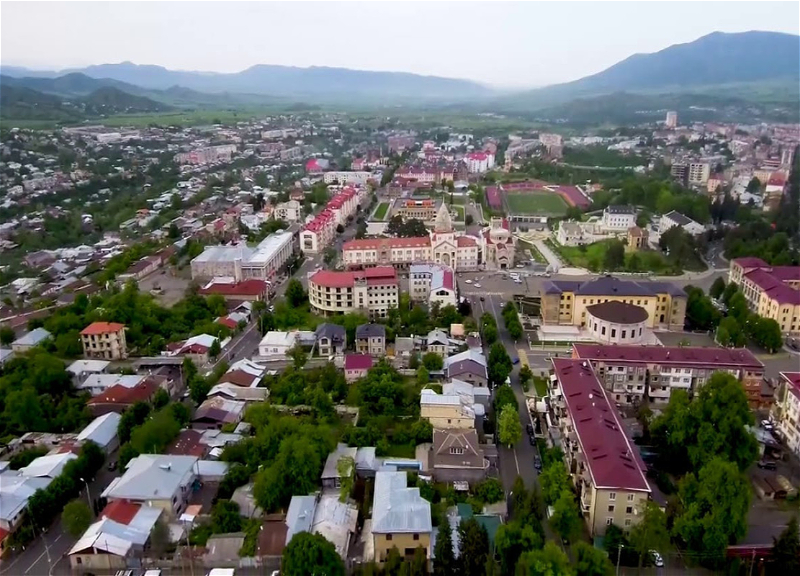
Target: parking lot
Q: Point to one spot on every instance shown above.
(169, 284)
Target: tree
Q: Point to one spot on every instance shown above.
(160, 399)
(76, 518)
(432, 361)
(310, 553)
(473, 547)
(423, 377)
(737, 307)
(7, 335)
(505, 395)
(295, 295)
(717, 288)
(225, 517)
(615, 255)
(330, 255)
(766, 333)
(509, 428)
(445, 562)
(215, 349)
(346, 468)
(565, 520)
(489, 490)
(785, 558)
(549, 561)
(554, 480)
(729, 291)
(651, 532)
(499, 364)
(159, 538)
(525, 375)
(511, 540)
(715, 502)
(590, 561)
(298, 356)
(754, 185)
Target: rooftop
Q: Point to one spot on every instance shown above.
(152, 477)
(398, 508)
(372, 276)
(619, 312)
(357, 362)
(97, 328)
(683, 355)
(610, 458)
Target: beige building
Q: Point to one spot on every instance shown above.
(445, 410)
(104, 340)
(771, 291)
(419, 208)
(373, 291)
(401, 518)
(564, 302)
(637, 238)
(605, 466)
(699, 172)
(786, 411)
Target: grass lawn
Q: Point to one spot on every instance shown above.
(592, 257)
(381, 210)
(459, 210)
(544, 203)
(541, 386)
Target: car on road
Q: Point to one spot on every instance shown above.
(656, 558)
(537, 462)
(515, 360)
(468, 281)
(532, 440)
(477, 285)
(520, 266)
(529, 429)
(483, 299)
(767, 464)
(112, 465)
(767, 425)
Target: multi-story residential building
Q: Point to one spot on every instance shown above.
(371, 339)
(104, 340)
(632, 372)
(564, 302)
(786, 411)
(241, 262)
(401, 518)
(418, 173)
(432, 283)
(550, 140)
(479, 162)
(771, 291)
(619, 218)
(671, 120)
(442, 246)
(207, 155)
(602, 461)
(289, 211)
(680, 172)
(374, 291)
(360, 178)
(699, 172)
(320, 232)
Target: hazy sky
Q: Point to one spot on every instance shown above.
(505, 44)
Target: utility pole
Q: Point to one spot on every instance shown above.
(619, 554)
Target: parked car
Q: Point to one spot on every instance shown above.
(529, 428)
(112, 465)
(537, 463)
(532, 440)
(767, 425)
(768, 465)
(515, 360)
(658, 561)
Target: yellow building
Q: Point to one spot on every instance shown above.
(104, 340)
(786, 411)
(606, 468)
(637, 238)
(564, 302)
(771, 291)
(373, 291)
(401, 518)
(445, 411)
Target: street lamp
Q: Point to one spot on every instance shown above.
(619, 554)
(88, 495)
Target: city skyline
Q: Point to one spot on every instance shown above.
(207, 37)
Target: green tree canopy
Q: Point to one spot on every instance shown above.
(76, 517)
(310, 553)
(473, 548)
(591, 561)
(499, 364)
(444, 563)
(549, 561)
(509, 428)
(785, 558)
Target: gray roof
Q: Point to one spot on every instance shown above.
(32, 338)
(611, 286)
(300, 515)
(333, 331)
(152, 477)
(371, 331)
(437, 337)
(342, 450)
(678, 218)
(397, 508)
(621, 209)
(470, 361)
(102, 430)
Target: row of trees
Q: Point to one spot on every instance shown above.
(740, 324)
(146, 430)
(511, 319)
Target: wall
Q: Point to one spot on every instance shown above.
(401, 541)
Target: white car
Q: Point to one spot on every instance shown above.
(477, 285)
(658, 561)
(766, 425)
(468, 281)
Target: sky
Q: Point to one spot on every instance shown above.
(502, 44)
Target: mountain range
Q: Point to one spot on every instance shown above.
(763, 66)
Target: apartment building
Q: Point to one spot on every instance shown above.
(671, 120)
(242, 262)
(104, 340)
(564, 302)
(601, 459)
(620, 218)
(207, 155)
(374, 291)
(320, 232)
(632, 372)
(360, 178)
(432, 283)
(786, 411)
(771, 291)
(479, 162)
(699, 172)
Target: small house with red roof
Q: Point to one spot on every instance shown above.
(104, 340)
(356, 366)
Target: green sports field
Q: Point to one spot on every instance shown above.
(544, 203)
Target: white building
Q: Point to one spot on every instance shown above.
(276, 343)
(699, 172)
(479, 162)
(289, 211)
(671, 120)
(787, 411)
(619, 218)
(432, 283)
(242, 262)
(674, 218)
(345, 177)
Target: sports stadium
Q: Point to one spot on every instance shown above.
(530, 199)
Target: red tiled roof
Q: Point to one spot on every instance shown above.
(737, 357)
(388, 243)
(239, 378)
(121, 395)
(610, 457)
(751, 262)
(120, 511)
(102, 328)
(334, 279)
(464, 241)
(188, 444)
(792, 382)
(773, 287)
(357, 362)
(247, 287)
(227, 322)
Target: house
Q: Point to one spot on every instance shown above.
(239, 393)
(619, 218)
(456, 456)
(446, 410)
(331, 339)
(98, 383)
(469, 366)
(119, 398)
(323, 514)
(243, 373)
(49, 466)
(371, 339)
(30, 340)
(197, 348)
(117, 540)
(671, 219)
(330, 474)
(81, 369)
(5, 355)
(160, 481)
(438, 343)
(103, 432)
(104, 340)
(15, 490)
(356, 366)
(401, 518)
(217, 411)
(276, 343)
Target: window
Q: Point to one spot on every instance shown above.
(612, 496)
(611, 508)
(456, 450)
(630, 497)
(627, 522)
(613, 332)
(416, 536)
(389, 537)
(629, 510)
(609, 521)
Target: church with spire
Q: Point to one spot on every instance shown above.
(492, 249)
